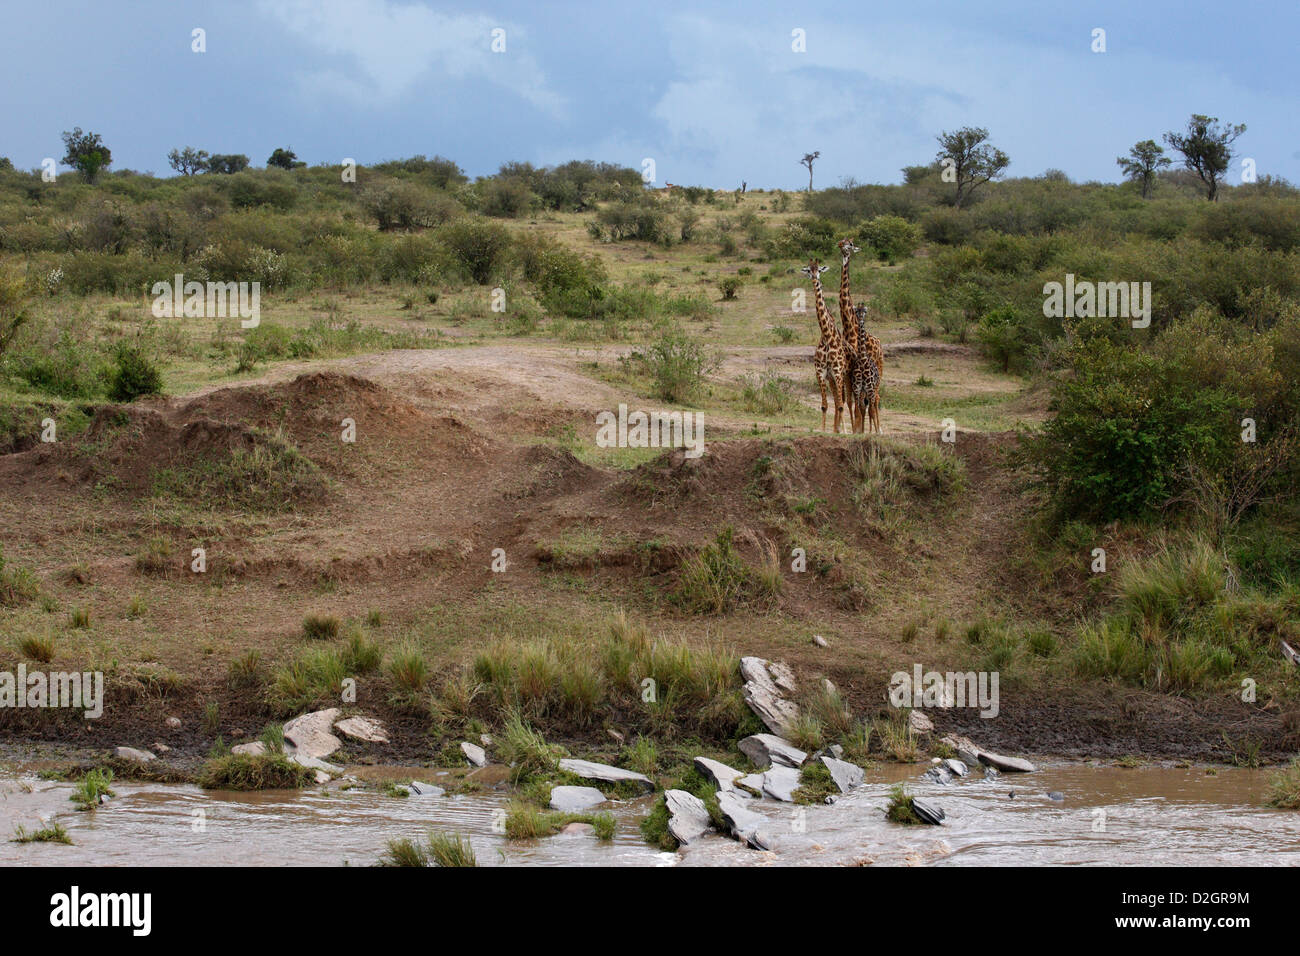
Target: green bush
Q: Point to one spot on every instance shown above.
(479, 247)
(133, 375)
(1126, 425)
(890, 237)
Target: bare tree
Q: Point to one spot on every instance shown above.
(808, 160)
(1206, 149)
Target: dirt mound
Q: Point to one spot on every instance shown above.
(309, 409)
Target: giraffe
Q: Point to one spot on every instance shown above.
(873, 354)
(847, 248)
(831, 357)
(864, 378)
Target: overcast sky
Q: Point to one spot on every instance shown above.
(714, 96)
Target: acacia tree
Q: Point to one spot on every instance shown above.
(1206, 149)
(285, 159)
(189, 160)
(808, 160)
(86, 153)
(972, 160)
(227, 162)
(1143, 161)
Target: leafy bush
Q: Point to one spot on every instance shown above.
(479, 247)
(133, 375)
(890, 237)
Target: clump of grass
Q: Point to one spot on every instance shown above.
(155, 558)
(439, 849)
(806, 731)
(642, 756)
(717, 580)
(38, 648)
(319, 627)
(1041, 642)
(246, 670)
(375, 618)
(815, 784)
(409, 670)
(404, 852)
(1284, 788)
(897, 739)
(91, 787)
(211, 717)
(361, 655)
(1168, 587)
(137, 609)
(900, 808)
(53, 832)
(767, 394)
(272, 737)
(526, 822)
(526, 751)
(307, 679)
(79, 619)
(270, 771)
(18, 586)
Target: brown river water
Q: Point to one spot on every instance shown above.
(1150, 815)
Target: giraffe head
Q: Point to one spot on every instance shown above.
(847, 248)
(814, 269)
(860, 311)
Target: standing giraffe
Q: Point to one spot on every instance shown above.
(872, 357)
(831, 357)
(864, 379)
(847, 248)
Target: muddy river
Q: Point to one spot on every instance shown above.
(1107, 815)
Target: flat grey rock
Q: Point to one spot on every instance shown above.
(589, 770)
(919, 722)
(309, 734)
(314, 763)
(688, 818)
(131, 753)
(780, 783)
(846, 775)
(939, 774)
(957, 767)
(475, 754)
(723, 777)
(764, 750)
(928, 812)
(425, 789)
(254, 749)
(766, 685)
(363, 728)
(746, 825)
(575, 799)
(749, 786)
(1007, 764)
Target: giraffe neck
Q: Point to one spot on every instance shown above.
(846, 305)
(823, 316)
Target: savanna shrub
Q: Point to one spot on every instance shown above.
(1126, 425)
(890, 237)
(133, 375)
(480, 247)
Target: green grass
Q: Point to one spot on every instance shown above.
(37, 647)
(1284, 788)
(439, 849)
(524, 821)
(718, 580)
(245, 772)
(18, 585)
(91, 787)
(53, 832)
(815, 784)
(900, 808)
(319, 627)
